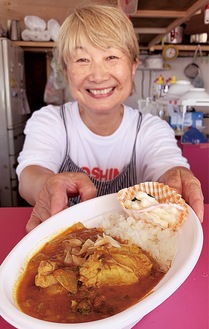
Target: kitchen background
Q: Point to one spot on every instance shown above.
(30, 78)
(145, 78)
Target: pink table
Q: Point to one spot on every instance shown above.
(187, 308)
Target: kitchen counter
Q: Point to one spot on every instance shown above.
(187, 308)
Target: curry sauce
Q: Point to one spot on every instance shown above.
(55, 286)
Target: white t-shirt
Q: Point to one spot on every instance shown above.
(100, 156)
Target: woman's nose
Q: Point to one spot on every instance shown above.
(98, 72)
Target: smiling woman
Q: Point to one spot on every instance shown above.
(96, 145)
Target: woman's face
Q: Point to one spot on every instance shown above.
(100, 80)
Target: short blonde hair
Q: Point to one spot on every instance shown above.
(102, 25)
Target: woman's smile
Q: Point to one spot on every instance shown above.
(100, 92)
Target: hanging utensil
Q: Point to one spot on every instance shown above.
(192, 70)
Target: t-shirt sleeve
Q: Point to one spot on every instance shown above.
(45, 140)
(157, 150)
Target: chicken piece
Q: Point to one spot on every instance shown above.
(45, 277)
(67, 278)
(115, 266)
(134, 258)
(49, 274)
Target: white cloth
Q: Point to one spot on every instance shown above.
(45, 143)
(28, 35)
(53, 27)
(35, 23)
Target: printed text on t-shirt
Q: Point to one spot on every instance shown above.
(101, 175)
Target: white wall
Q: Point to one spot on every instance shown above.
(144, 78)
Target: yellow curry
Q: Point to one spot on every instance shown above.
(84, 275)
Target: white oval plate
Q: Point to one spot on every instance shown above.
(190, 242)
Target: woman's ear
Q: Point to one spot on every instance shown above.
(134, 66)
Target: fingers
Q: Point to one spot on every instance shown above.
(197, 205)
(194, 197)
(86, 189)
(172, 178)
(58, 199)
(66, 185)
(32, 222)
(192, 193)
(185, 183)
(54, 195)
(40, 213)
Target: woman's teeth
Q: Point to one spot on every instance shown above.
(101, 91)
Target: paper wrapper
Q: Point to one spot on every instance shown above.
(162, 193)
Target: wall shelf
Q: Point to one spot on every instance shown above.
(182, 47)
(141, 68)
(35, 45)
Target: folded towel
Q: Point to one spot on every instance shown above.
(28, 35)
(35, 23)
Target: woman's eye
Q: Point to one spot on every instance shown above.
(82, 60)
(112, 57)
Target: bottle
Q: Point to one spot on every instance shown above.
(13, 29)
(159, 86)
(165, 88)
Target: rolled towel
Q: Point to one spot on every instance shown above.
(35, 23)
(53, 27)
(28, 35)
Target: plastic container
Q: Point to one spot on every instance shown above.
(175, 35)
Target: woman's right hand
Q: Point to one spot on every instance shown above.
(55, 193)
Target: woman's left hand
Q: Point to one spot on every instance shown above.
(185, 183)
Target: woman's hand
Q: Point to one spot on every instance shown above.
(55, 193)
(185, 183)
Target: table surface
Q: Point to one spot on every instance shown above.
(187, 308)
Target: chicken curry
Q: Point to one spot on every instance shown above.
(76, 276)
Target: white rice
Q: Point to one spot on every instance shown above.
(161, 244)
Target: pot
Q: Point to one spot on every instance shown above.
(191, 71)
(175, 35)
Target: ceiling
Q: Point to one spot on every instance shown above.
(154, 19)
